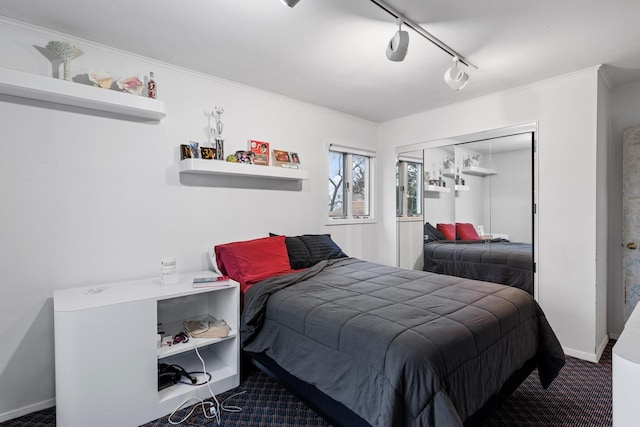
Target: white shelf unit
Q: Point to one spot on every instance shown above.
(462, 188)
(218, 167)
(437, 189)
(106, 352)
(478, 171)
(62, 92)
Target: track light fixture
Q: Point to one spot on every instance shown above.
(455, 77)
(398, 45)
(290, 3)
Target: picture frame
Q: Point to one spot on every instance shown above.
(207, 153)
(286, 159)
(189, 151)
(280, 156)
(260, 149)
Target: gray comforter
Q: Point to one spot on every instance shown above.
(498, 261)
(398, 347)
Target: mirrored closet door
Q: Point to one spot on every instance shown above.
(476, 219)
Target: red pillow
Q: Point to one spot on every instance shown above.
(447, 230)
(250, 261)
(466, 231)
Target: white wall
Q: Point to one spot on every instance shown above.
(470, 205)
(410, 245)
(565, 109)
(89, 199)
(602, 209)
(438, 207)
(510, 195)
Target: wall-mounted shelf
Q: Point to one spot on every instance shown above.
(462, 188)
(437, 189)
(449, 173)
(478, 171)
(62, 92)
(218, 167)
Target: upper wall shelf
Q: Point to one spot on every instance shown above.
(218, 167)
(470, 170)
(449, 173)
(478, 171)
(56, 91)
(437, 189)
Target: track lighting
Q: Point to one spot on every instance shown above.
(455, 77)
(399, 43)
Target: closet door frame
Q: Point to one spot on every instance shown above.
(485, 135)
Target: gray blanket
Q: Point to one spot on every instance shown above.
(498, 261)
(398, 347)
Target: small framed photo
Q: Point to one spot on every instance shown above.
(281, 156)
(207, 153)
(189, 151)
(261, 152)
(286, 159)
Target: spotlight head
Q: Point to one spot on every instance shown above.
(455, 77)
(290, 3)
(398, 46)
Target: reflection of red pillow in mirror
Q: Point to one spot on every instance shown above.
(466, 231)
(448, 230)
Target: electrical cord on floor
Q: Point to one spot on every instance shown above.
(206, 409)
(232, 408)
(210, 410)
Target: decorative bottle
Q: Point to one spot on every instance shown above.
(151, 86)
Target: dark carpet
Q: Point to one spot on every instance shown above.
(580, 396)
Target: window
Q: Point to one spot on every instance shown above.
(408, 188)
(350, 186)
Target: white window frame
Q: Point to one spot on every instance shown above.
(404, 178)
(348, 180)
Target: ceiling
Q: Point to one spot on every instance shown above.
(332, 52)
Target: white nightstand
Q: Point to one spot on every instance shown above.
(106, 352)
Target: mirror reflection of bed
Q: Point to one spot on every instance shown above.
(477, 207)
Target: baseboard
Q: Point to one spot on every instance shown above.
(6, 416)
(602, 346)
(589, 357)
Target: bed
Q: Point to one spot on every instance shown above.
(369, 344)
(496, 260)
(458, 250)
